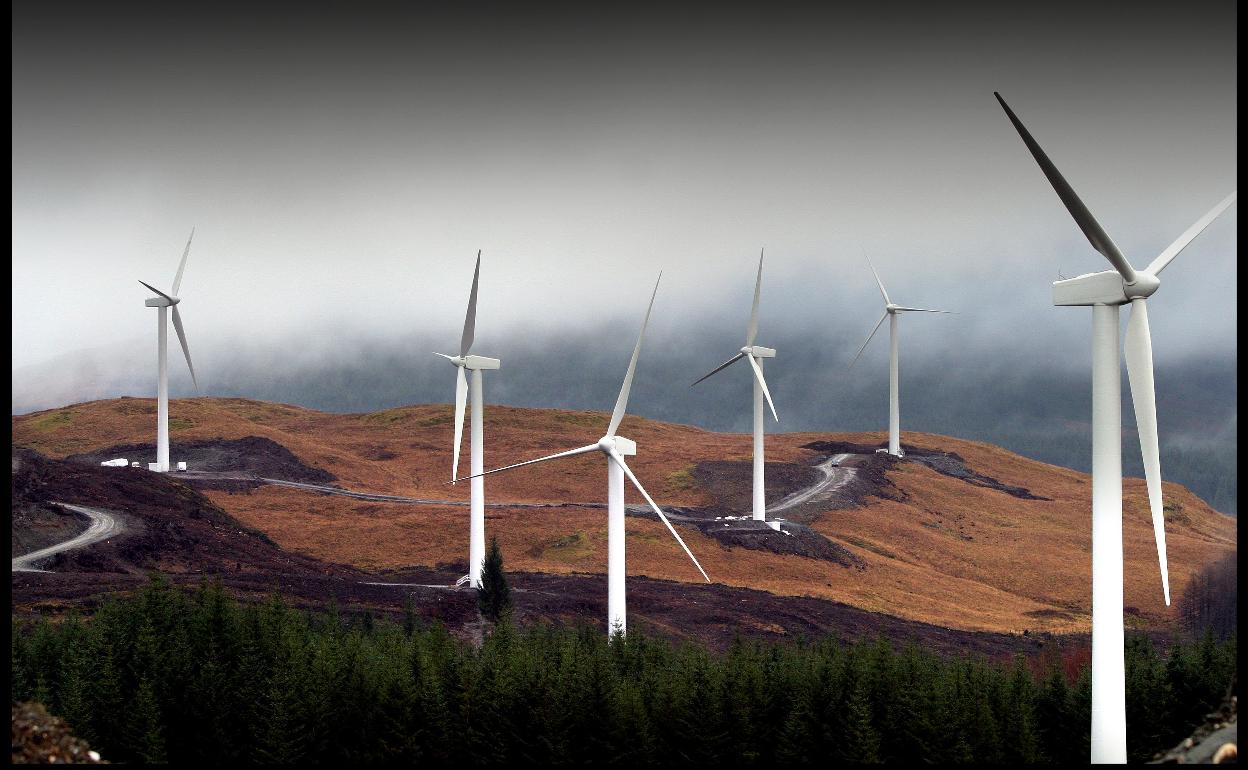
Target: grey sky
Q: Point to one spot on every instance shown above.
(343, 171)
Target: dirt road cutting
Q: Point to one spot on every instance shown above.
(103, 526)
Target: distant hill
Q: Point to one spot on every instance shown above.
(960, 534)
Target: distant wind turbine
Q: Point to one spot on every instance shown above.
(615, 447)
(1106, 292)
(891, 312)
(164, 302)
(475, 364)
(755, 355)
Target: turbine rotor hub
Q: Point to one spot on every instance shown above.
(1144, 286)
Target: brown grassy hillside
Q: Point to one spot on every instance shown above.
(946, 552)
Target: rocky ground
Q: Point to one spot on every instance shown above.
(1213, 743)
(42, 739)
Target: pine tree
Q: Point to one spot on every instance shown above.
(861, 741)
(145, 733)
(1052, 718)
(19, 681)
(797, 743)
(494, 596)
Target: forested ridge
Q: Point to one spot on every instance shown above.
(168, 675)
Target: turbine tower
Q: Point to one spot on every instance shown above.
(164, 302)
(1105, 292)
(614, 448)
(891, 312)
(474, 364)
(755, 355)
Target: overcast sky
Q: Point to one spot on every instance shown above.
(343, 169)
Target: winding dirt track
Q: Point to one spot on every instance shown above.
(834, 478)
(103, 526)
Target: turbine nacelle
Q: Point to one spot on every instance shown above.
(892, 308)
(473, 362)
(758, 351)
(621, 445)
(1104, 288)
(161, 301)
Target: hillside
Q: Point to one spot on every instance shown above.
(926, 544)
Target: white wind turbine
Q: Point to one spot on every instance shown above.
(755, 355)
(165, 301)
(475, 364)
(615, 448)
(1106, 292)
(891, 312)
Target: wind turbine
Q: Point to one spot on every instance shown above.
(475, 364)
(615, 447)
(891, 312)
(1106, 292)
(755, 355)
(164, 302)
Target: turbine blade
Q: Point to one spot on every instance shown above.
(186, 351)
(1172, 251)
(158, 291)
(1096, 235)
(751, 331)
(621, 402)
(470, 318)
(1139, 355)
(924, 310)
(869, 336)
(177, 280)
(448, 358)
(569, 453)
(619, 460)
(461, 398)
(758, 372)
(880, 283)
(724, 365)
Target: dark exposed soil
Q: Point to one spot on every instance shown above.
(951, 464)
(793, 538)
(175, 530)
(170, 526)
(711, 615)
(36, 526)
(948, 463)
(731, 483)
(42, 739)
(252, 455)
(846, 447)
